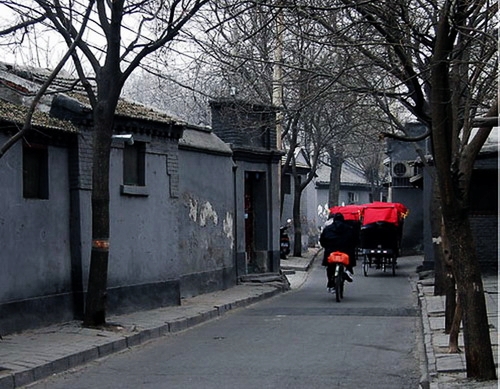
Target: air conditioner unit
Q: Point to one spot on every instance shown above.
(402, 169)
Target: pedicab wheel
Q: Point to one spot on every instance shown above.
(365, 266)
(339, 284)
(393, 266)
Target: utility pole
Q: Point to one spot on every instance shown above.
(277, 98)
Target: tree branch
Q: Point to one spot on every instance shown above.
(27, 122)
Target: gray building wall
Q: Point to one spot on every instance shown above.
(35, 255)
(206, 214)
(144, 266)
(45, 277)
(402, 191)
(483, 212)
(180, 235)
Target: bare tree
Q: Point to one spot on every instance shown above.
(172, 90)
(441, 61)
(27, 125)
(121, 35)
(357, 141)
(242, 48)
(452, 114)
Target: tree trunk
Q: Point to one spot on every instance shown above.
(95, 310)
(95, 307)
(335, 173)
(477, 342)
(297, 222)
(450, 306)
(437, 231)
(455, 329)
(448, 281)
(453, 191)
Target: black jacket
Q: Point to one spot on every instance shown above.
(338, 236)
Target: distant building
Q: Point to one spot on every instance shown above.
(483, 206)
(412, 171)
(406, 185)
(354, 189)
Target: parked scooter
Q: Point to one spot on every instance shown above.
(284, 240)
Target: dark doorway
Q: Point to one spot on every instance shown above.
(256, 223)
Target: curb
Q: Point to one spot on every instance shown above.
(32, 371)
(429, 372)
(440, 374)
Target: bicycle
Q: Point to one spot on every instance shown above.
(340, 260)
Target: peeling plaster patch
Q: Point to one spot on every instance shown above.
(227, 227)
(207, 212)
(193, 208)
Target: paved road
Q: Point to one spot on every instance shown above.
(301, 339)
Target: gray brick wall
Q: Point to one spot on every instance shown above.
(485, 230)
(244, 124)
(173, 166)
(80, 162)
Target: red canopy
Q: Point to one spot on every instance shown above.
(350, 212)
(384, 212)
(377, 211)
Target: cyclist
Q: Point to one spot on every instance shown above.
(337, 235)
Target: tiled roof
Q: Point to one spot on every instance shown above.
(300, 159)
(132, 109)
(204, 139)
(17, 114)
(349, 174)
(26, 80)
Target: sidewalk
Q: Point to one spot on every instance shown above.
(448, 371)
(33, 355)
(296, 268)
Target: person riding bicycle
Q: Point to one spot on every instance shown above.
(337, 235)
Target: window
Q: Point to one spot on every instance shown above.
(134, 169)
(352, 197)
(35, 172)
(286, 184)
(134, 164)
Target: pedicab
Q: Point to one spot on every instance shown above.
(352, 216)
(380, 235)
